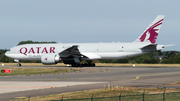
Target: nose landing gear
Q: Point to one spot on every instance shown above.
(19, 64)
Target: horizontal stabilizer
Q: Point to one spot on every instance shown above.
(150, 47)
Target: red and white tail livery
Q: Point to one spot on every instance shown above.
(152, 31)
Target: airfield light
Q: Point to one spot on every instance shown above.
(2, 70)
(5, 71)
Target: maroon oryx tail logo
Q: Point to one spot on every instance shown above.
(152, 33)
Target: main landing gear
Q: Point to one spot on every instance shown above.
(19, 64)
(88, 64)
(83, 65)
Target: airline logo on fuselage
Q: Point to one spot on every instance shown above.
(36, 50)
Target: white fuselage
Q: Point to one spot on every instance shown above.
(91, 50)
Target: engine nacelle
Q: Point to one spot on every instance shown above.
(50, 59)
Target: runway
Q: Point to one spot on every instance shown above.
(83, 80)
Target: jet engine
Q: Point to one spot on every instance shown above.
(50, 59)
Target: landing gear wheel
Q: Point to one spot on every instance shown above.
(72, 65)
(83, 65)
(75, 65)
(80, 65)
(19, 65)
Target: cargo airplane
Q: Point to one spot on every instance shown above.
(74, 53)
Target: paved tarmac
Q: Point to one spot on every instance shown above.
(18, 86)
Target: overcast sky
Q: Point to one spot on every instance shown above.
(73, 21)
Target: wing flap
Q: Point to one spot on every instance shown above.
(91, 56)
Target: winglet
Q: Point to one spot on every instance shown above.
(152, 31)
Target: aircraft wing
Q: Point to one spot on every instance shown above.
(71, 51)
(71, 54)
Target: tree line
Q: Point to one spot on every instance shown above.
(168, 57)
(33, 42)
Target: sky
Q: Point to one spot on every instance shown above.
(86, 21)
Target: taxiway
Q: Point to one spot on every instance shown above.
(12, 87)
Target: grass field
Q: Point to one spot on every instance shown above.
(156, 95)
(98, 64)
(32, 64)
(29, 71)
(53, 68)
(138, 65)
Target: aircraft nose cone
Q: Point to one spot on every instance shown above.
(7, 54)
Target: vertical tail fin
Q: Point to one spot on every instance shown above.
(152, 31)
